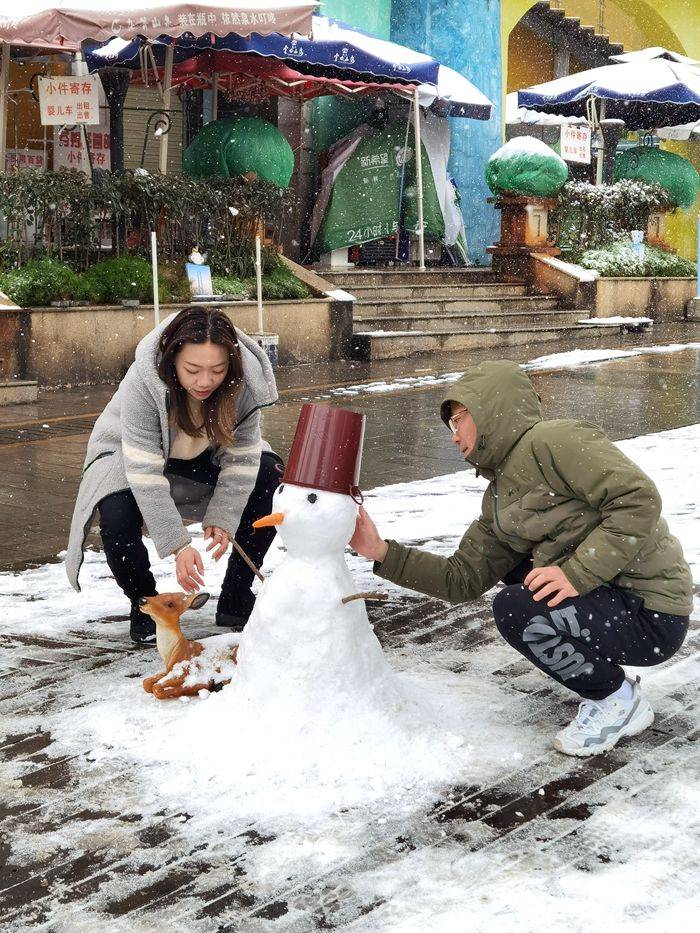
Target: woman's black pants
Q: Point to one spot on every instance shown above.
(582, 642)
(121, 526)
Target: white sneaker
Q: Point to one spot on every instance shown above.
(600, 724)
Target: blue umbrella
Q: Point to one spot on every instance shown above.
(644, 92)
(334, 45)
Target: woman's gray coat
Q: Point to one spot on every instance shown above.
(129, 446)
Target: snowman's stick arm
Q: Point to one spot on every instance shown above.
(247, 559)
(374, 594)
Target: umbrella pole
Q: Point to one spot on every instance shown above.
(419, 180)
(258, 283)
(215, 97)
(167, 88)
(5, 50)
(401, 183)
(154, 273)
(600, 155)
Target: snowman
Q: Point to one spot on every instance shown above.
(304, 651)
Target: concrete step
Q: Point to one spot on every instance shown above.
(437, 307)
(461, 323)
(396, 345)
(346, 278)
(18, 391)
(438, 290)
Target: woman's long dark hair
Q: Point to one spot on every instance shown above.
(198, 324)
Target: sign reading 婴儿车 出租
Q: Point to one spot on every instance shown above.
(370, 199)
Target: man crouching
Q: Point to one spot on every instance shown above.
(593, 577)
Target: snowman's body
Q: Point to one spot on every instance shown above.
(302, 647)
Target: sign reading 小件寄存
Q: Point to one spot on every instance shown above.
(69, 99)
(575, 143)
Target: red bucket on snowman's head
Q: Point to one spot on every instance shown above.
(327, 450)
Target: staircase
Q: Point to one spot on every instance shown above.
(399, 312)
(591, 47)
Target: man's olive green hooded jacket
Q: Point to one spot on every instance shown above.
(560, 491)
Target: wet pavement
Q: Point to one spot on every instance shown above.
(42, 446)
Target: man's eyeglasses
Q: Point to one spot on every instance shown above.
(453, 423)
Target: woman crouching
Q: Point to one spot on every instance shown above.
(180, 441)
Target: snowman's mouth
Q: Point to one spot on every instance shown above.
(276, 518)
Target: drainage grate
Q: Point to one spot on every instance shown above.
(36, 432)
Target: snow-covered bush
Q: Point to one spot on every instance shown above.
(619, 259)
(526, 165)
(590, 216)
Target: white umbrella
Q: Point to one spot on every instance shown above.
(455, 96)
(654, 51)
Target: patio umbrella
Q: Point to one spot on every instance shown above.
(451, 93)
(69, 22)
(334, 45)
(72, 21)
(645, 91)
(337, 60)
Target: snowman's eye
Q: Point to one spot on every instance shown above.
(312, 497)
(281, 488)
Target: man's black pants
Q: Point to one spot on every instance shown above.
(121, 525)
(582, 642)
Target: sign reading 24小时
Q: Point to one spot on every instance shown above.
(575, 143)
(69, 99)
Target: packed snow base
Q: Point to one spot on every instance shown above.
(313, 696)
(328, 788)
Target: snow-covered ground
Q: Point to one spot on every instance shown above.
(320, 820)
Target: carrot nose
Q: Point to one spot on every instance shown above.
(275, 519)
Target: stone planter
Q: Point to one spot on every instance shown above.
(662, 299)
(60, 346)
(524, 231)
(659, 299)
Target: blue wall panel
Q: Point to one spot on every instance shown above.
(464, 34)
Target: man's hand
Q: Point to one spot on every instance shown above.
(220, 540)
(189, 569)
(366, 540)
(549, 581)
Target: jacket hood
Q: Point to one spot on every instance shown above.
(504, 405)
(258, 375)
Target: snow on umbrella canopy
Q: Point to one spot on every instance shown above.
(72, 21)
(257, 67)
(333, 45)
(650, 88)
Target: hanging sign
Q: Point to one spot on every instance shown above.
(69, 148)
(575, 143)
(21, 159)
(69, 99)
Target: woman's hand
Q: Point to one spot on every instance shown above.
(549, 581)
(366, 540)
(189, 569)
(220, 540)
